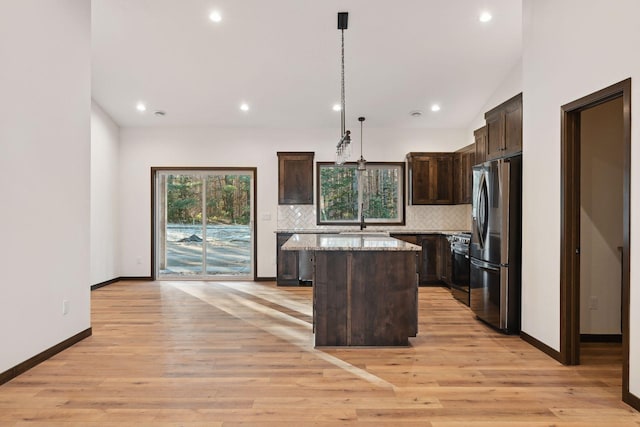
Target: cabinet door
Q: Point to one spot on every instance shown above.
(431, 178)
(504, 128)
(295, 178)
(287, 262)
(445, 260)
(463, 173)
(480, 136)
(495, 135)
(441, 185)
(513, 127)
(420, 179)
(468, 160)
(430, 268)
(458, 178)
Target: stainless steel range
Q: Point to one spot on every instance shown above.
(460, 266)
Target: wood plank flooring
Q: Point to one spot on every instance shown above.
(241, 353)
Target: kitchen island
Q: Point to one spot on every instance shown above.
(365, 290)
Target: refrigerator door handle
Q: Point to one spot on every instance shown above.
(483, 211)
(505, 196)
(484, 265)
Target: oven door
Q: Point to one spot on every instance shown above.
(460, 274)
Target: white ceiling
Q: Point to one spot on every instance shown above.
(282, 57)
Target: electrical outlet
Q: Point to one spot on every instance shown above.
(593, 303)
(266, 216)
(138, 260)
(65, 307)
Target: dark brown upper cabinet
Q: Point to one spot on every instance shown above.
(431, 178)
(504, 128)
(295, 178)
(480, 136)
(463, 174)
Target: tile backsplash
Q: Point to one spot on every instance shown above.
(431, 217)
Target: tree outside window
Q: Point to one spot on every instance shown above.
(345, 194)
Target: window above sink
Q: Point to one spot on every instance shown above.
(345, 194)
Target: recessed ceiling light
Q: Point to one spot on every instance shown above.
(435, 107)
(215, 16)
(337, 107)
(485, 17)
(415, 113)
(141, 107)
(244, 107)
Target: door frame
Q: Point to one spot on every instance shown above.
(570, 225)
(155, 169)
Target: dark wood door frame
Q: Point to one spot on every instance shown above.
(570, 226)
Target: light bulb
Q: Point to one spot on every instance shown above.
(485, 17)
(215, 16)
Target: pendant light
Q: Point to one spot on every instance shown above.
(362, 163)
(343, 149)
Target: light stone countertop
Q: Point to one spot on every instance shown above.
(346, 242)
(373, 230)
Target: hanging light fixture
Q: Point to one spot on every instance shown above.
(362, 163)
(343, 149)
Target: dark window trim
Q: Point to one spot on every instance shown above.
(155, 169)
(402, 193)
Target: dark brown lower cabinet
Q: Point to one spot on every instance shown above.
(287, 263)
(445, 260)
(434, 266)
(365, 298)
(431, 263)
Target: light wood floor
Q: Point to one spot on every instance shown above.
(241, 353)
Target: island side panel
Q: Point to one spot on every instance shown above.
(383, 303)
(330, 291)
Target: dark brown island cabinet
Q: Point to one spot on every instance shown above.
(365, 289)
(504, 129)
(295, 178)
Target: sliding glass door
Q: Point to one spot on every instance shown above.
(204, 226)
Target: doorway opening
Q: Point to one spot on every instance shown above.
(594, 283)
(203, 224)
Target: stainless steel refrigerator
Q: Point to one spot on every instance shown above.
(496, 244)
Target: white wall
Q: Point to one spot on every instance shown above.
(601, 234)
(105, 258)
(560, 41)
(142, 148)
(509, 87)
(44, 158)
